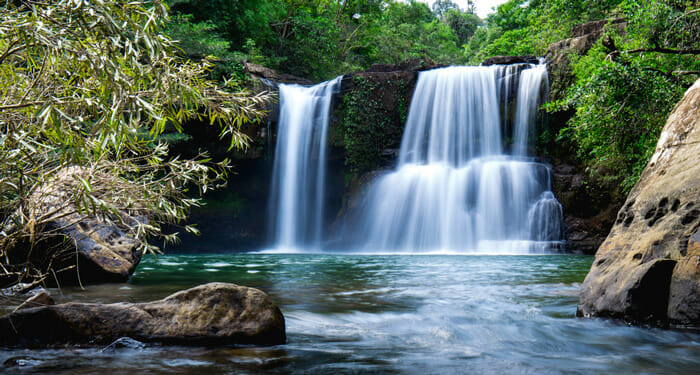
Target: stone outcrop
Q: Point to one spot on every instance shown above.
(260, 71)
(41, 298)
(582, 39)
(414, 65)
(210, 314)
(508, 60)
(648, 268)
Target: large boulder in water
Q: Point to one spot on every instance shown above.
(104, 250)
(648, 268)
(215, 313)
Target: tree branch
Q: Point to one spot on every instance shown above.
(686, 72)
(666, 50)
(20, 105)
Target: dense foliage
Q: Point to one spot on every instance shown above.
(521, 27)
(320, 39)
(624, 87)
(372, 115)
(627, 86)
(88, 87)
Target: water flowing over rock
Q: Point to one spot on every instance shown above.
(464, 180)
(210, 314)
(647, 270)
(298, 181)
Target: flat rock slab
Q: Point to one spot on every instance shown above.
(210, 314)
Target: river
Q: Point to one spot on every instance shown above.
(402, 314)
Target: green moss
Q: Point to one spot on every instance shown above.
(372, 115)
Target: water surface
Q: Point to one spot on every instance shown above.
(387, 314)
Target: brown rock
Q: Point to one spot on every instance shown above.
(595, 26)
(40, 299)
(648, 268)
(415, 65)
(587, 223)
(215, 313)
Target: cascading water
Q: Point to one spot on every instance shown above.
(298, 178)
(455, 188)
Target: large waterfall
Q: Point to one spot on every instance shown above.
(464, 181)
(298, 181)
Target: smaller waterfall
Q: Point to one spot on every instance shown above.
(526, 112)
(298, 178)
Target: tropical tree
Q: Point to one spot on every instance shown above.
(90, 85)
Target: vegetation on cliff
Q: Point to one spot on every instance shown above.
(93, 85)
(321, 39)
(624, 87)
(371, 117)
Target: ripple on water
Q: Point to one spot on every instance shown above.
(218, 264)
(171, 264)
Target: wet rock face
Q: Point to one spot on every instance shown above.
(648, 268)
(588, 219)
(210, 314)
(415, 65)
(589, 209)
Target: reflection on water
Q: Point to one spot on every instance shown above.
(387, 314)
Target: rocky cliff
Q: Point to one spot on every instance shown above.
(589, 210)
(648, 268)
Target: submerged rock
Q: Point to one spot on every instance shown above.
(648, 268)
(210, 314)
(40, 299)
(20, 362)
(124, 343)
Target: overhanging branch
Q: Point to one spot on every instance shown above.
(666, 50)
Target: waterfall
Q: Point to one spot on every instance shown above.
(455, 187)
(298, 178)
